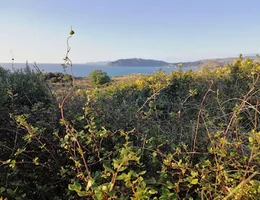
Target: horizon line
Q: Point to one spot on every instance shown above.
(4, 62)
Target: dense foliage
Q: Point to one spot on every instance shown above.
(98, 77)
(183, 135)
(57, 77)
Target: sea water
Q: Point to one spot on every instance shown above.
(83, 70)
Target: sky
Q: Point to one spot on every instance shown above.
(106, 30)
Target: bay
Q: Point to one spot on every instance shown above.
(83, 70)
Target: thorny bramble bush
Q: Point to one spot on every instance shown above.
(185, 135)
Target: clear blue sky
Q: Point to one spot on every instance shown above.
(170, 30)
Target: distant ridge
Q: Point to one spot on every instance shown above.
(210, 65)
(138, 62)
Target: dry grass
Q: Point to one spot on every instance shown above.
(84, 82)
(60, 89)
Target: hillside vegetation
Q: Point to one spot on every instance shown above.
(183, 135)
(210, 65)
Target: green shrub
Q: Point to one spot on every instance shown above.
(28, 87)
(4, 85)
(57, 77)
(98, 77)
(24, 92)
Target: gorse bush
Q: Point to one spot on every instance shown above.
(98, 77)
(183, 135)
(24, 93)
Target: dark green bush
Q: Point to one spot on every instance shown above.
(29, 88)
(20, 90)
(25, 93)
(4, 86)
(98, 77)
(57, 77)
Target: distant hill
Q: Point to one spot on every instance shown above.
(210, 65)
(224, 61)
(138, 62)
(187, 64)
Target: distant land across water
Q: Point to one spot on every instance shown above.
(82, 70)
(124, 66)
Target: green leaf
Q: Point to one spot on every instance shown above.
(165, 190)
(108, 169)
(169, 184)
(2, 189)
(12, 164)
(82, 193)
(154, 154)
(11, 192)
(251, 140)
(75, 187)
(122, 168)
(194, 174)
(121, 177)
(180, 162)
(89, 184)
(80, 118)
(232, 153)
(194, 181)
(142, 172)
(124, 152)
(35, 161)
(152, 191)
(104, 187)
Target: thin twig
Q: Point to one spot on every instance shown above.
(240, 185)
(241, 105)
(151, 97)
(199, 115)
